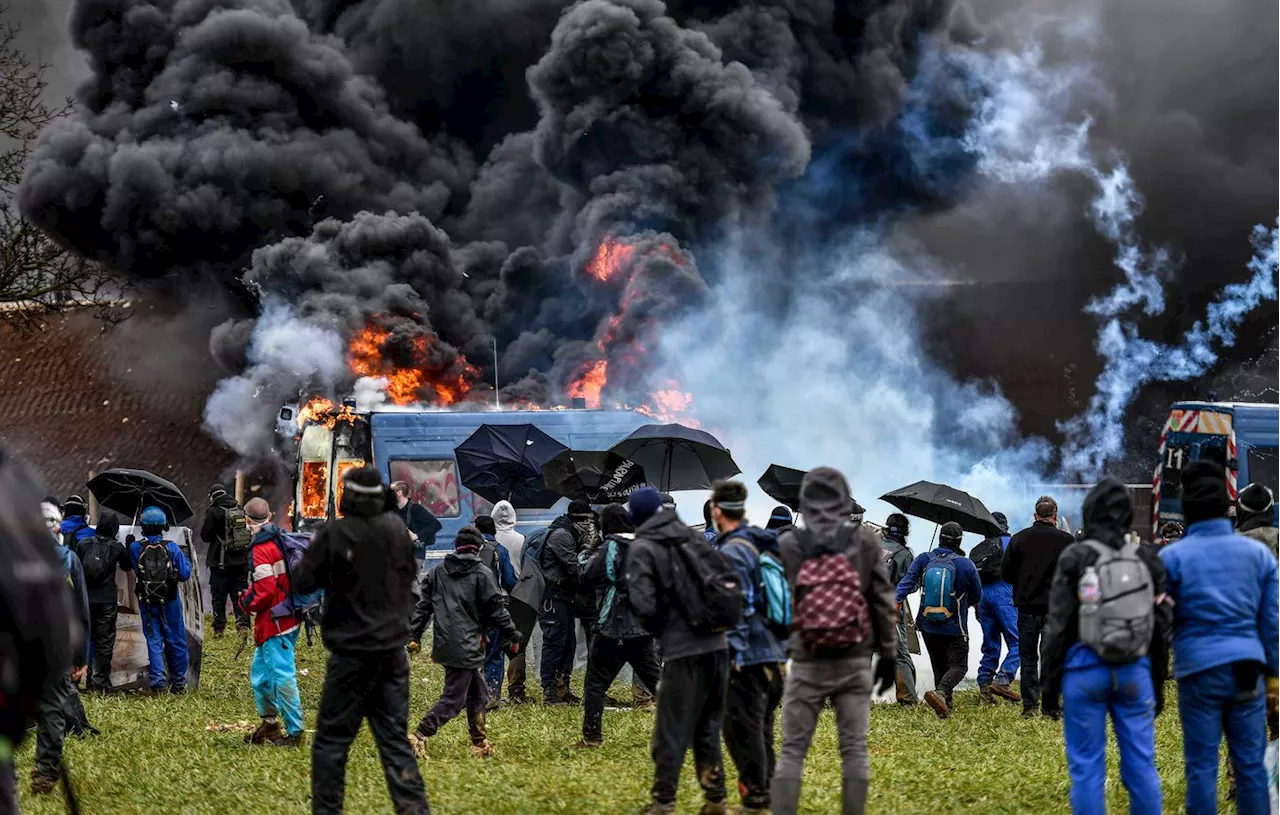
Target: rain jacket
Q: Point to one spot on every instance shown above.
(750, 641)
(1224, 589)
(1107, 516)
(605, 570)
(80, 602)
(899, 556)
(1262, 529)
(504, 518)
(268, 586)
(1029, 563)
(214, 532)
(463, 600)
(495, 556)
(419, 520)
(364, 562)
(826, 504)
(650, 587)
(999, 592)
(560, 559)
(74, 530)
(968, 591)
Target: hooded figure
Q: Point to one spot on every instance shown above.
(1091, 687)
(567, 536)
(1226, 642)
(1256, 515)
(228, 564)
(844, 680)
(897, 560)
(73, 527)
(504, 517)
(103, 556)
(999, 620)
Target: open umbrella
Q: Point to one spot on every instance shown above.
(130, 491)
(675, 457)
(594, 476)
(782, 484)
(942, 504)
(503, 462)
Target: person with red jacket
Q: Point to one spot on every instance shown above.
(273, 673)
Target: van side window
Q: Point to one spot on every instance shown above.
(1263, 466)
(433, 482)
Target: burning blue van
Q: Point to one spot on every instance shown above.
(1244, 438)
(417, 447)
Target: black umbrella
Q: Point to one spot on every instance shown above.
(131, 491)
(675, 457)
(594, 476)
(942, 504)
(782, 484)
(503, 462)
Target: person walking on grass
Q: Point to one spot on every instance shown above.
(1029, 563)
(566, 537)
(102, 557)
(226, 531)
(497, 559)
(1226, 644)
(463, 599)
(1108, 616)
(364, 563)
(897, 560)
(695, 671)
(843, 615)
(758, 659)
(998, 617)
(273, 672)
(159, 565)
(618, 639)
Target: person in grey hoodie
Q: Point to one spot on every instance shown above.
(695, 670)
(844, 679)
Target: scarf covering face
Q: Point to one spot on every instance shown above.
(588, 533)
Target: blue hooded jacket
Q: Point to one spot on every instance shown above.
(1225, 607)
(74, 530)
(75, 576)
(968, 591)
(180, 562)
(750, 641)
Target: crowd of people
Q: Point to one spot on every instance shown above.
(722, 626)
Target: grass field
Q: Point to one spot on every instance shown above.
(157, 755)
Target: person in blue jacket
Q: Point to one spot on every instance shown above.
(1226, 643)
(498, 559)
(74, 528)
(162, 623)
(951, 586)
(999, 620)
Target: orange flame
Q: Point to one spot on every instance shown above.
(315, 488)
(319, 409)
(343, 468)
(590, 381)
(406, 385)
(609, 259)
(669, 405)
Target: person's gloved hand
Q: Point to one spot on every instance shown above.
(886, 674)
(513, 648)
(413, 648)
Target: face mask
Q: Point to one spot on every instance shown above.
(588, 533)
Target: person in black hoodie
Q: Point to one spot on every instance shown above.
(462, 596)
(695, 670)
(1028, 566)
(1129, 691)
(364, 562)
(566, 537)
(228, 564)
(101, 557)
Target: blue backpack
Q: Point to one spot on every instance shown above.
(306, 607)
(940, 603)
(532, 551)
(774, 591)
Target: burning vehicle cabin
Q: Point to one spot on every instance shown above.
(417, 446)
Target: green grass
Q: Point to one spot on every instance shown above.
(156, 755)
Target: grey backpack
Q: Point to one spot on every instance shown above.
(1117, 604)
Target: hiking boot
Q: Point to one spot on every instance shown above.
(266, 732)
(1030, 713)
(714, 808)
(609, 701)
(288, 741)
(1005, 692)
(1052, 715)
(518, 698)
(43, 782)
(985, 696)
(660, 809)
(419, 744)
(934, 700)
(482, 750)
(588, 744)
(552, 698)
(217, 633)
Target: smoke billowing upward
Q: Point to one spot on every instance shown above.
(627, 197)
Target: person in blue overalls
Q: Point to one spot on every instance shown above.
(159, 566)
(998, 617)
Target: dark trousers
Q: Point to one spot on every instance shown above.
(949, 656)
(1030, 629)
(8, 789)
(463, 688)
(51, 724)
(604, 661)
(559, 641)
(102, 625)
(691, 699)
(228, 584)
(753, 697)
(373, 686)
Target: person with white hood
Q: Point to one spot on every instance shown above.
(504, 518)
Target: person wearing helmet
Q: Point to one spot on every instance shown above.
(159, 566)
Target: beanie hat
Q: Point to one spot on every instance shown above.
(468, 541)
(858, 512)
(668, 501)
(644, 504)
(951, 533)
(1001, 520)
(486, 525)
(897, 525)
(1204, 491)
(780, 517)
(364, 480)
(73, 506)
(580, 509)
(1256, 499)
(217, 490)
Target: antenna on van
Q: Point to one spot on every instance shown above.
(497, 400)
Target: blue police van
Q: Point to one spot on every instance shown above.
(417, 447)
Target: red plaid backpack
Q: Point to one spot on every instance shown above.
(831, 611)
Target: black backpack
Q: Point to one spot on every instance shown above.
(157, 576)
(98, 558)
(988, 556)
(705, 587)
(235, 533)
